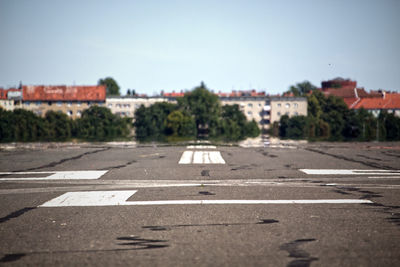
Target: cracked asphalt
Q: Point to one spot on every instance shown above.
(225, 234)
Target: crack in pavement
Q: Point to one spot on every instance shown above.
(55, 163)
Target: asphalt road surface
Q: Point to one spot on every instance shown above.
(100, 205)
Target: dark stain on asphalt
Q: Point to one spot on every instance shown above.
(303, 258)
(55, 163)
(206, 193)
(243, 167)
(365, 194)
(140, 243)
(120, 166)
(369, 164)
(12, 257)
(367, 157)
(268, 221)
(341, 192)
(205, 173)
(15, 214)
(170, 227)
(393, 212)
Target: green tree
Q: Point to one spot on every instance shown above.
(204, 106)
(151, 122)
(302, 89)
(112, 87)
(58, 126)
(99, 124)
(180, 124)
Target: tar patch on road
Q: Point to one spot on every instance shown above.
(206, 193)
(170, 227)
(141, 243)
(303, 258)
(205, 173)
(15, 214)
(12, 257)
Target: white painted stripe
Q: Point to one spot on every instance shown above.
(90, 198)
(384, 177)
(201, 157)
(349, 172)
(201, 147)
(216, 157)
(56, 175)
(248, 202)
(186, 157)
(118, 198)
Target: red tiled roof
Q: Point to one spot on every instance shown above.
(64, 93)
(389, 101)
(4, 92)
(345, 92)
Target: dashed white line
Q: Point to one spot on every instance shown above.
(349, 172)
(54, 175)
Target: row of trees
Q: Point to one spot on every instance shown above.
(330, 119)
(95, 124)
(198, 114)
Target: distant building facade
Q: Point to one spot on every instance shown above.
(71, 100)
(125, 106)
(10, 98)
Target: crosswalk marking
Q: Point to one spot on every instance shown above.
(201, 147)
(53, 175)
(201, 157)
(119, 198)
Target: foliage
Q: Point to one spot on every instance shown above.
(96, 124)
(203, 105)
(112, 87)
(150, 122)
(302, 89)
(330, 119)
(198, 113)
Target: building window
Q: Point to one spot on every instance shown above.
(110, 105)
(79, 103)
(250, 105)
(59, 103)
(287, 105)
(296, 113)
(38, 103)
(27, 103)
(295, 105)
(279, 113)
(69, 103)
(69, 112)
(279, 105)
(79, 113)
(49, 103)
(287, 113)
(249, 113)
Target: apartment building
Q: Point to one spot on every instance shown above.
(71, 100)
(10, 99)
(125, 106)
(291, 106)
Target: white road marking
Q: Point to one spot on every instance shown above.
(384, 177)
(55, 175)
(186, 157)
(201, 157)
(90, 198)
(119, 198)
(349, 172)
(201, 147)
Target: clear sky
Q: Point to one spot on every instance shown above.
(151, 45)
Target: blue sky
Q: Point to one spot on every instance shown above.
(174, 45)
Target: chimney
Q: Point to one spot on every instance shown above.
(355, 92)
